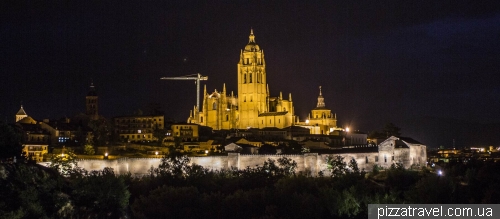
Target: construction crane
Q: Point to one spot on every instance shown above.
(197, 77)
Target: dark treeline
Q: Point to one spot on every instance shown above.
(273, 190)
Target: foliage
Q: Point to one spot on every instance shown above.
(88, 149)
(64, 163)
(101, 131)
(353, 166)
(30, 192)
(336, 165)
(10, 142)
(267, 149)
(159, 134)
(100, 194)
(391, 130)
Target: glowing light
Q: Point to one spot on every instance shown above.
(307, 121)
(440, 173)
(156, 153)
(106, 154)
(206, 151)
(347, 129)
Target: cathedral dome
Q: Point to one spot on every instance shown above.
(252, 46)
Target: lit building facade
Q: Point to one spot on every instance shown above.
(138, 128)
(186, 132)
(253, 107)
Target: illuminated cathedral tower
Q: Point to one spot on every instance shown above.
(91, 103)
(253, 107)
(252, 92)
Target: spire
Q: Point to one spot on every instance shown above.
(290, 97)
(21, 111)
(321, 100)
(267, 89)
(92, 89)
(224, 89)
(205, 89)
(281, 96)
(251, 38)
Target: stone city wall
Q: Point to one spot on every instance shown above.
(309, 163)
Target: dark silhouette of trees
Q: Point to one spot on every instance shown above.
(10, 142)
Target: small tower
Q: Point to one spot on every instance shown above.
(21, 114)
(92, 103)
(321, 100)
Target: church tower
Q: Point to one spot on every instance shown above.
(252, 92)
(21, 114)
(91, 103)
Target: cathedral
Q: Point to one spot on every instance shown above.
(252, 107)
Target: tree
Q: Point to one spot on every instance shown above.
(391, 130)
(64, 163)
(336, 165)
(10, 145)
(88, 149)
(100, 194)
(353, 166)
(159, 134)
(100, 131)
(267, 149)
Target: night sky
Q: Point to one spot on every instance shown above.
(377, 61)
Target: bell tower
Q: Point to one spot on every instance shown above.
(91, 103)
(252, 92)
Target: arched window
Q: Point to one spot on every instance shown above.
(227, 117)
(250, 78)
(201, 119)
(244, 78)
(214, 105)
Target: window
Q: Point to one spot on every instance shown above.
(244, 78)
(201, 119)
(250, 78)
(227, 117)
(385, 158)
(376, 158)
(392, 157)
(214, 106)
(366, 159)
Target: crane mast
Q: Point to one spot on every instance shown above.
(197, 78)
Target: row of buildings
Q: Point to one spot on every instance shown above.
(241, 123)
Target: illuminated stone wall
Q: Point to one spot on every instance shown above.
(309, 163)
